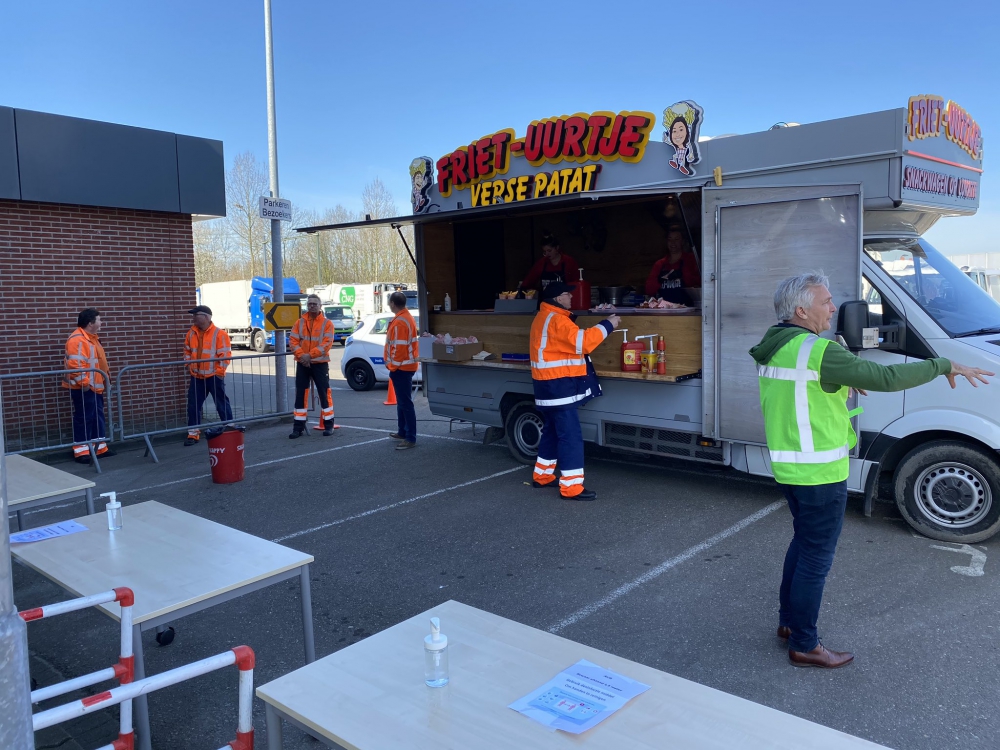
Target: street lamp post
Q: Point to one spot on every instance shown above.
(277, 274)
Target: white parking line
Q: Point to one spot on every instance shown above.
(390, 506)
(419, 434)
(262, 463)
(663, 567)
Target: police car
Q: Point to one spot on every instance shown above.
(362, 364)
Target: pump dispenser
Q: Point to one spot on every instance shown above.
(114, 509)
(447, 302)
(648, 357)
(436, 656)
(631, 350)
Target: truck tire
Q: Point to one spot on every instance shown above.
(258, 341)
(524, 431)
(360, 375)
(950, 491)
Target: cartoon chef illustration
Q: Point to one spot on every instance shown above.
(682, 123)
(421, 177)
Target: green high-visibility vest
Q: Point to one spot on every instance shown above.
(809, 432)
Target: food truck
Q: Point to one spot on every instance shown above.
(851, 197)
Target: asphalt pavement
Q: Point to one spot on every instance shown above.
(675, 566)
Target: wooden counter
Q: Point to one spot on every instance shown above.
(509, 333)
(673, 375)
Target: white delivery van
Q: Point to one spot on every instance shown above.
(852, 197)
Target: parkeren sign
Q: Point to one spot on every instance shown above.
(579, 138)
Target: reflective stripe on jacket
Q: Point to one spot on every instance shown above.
(84, 350)
(559, 349)
(312, 334)
(212, 343)
(401, 344)
(809, 431)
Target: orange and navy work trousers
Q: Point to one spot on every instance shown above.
(560, 447)
(88, 421)
(317, 373)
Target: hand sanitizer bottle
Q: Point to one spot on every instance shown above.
(114, 509)
(447, 302)
(436, 656)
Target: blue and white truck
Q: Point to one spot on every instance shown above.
(238, 307)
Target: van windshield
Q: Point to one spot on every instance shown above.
(959, 305)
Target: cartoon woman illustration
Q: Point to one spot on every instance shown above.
(682, 122)
(421, 178)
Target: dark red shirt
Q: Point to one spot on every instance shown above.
(566, 267)
(686, 266)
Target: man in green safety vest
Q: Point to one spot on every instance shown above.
(805, 381)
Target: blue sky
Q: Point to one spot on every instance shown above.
(363, 87)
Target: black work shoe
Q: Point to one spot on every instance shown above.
(328, 431)
(107, 453)
(191, 441)
(82, 460)
(585, 495)
(296, 432)
(539, 486)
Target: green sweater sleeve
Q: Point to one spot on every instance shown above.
(841, 367)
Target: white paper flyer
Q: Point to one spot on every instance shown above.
(46, 532)
(579, 697)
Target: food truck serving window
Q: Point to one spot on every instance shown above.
(956, 302)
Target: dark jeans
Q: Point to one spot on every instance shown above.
(198, 391)
(817, 519)
(406, 415)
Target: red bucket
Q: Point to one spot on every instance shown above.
(225, 453)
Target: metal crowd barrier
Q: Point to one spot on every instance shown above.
(151, 399)
(38, 412)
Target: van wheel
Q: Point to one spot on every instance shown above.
(360, 375)
(258, 342)
(949, 491)
(524, 431)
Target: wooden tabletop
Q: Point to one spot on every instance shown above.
(29, 480)
(170, 559)
(372, 695)
(673, 375)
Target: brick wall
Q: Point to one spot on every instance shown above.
(136, 267)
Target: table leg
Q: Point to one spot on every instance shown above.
(140, 704)
(305, 591)
(90, 501)
(273, 726)
(20, 520)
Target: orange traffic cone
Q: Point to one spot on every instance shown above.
(391, 398)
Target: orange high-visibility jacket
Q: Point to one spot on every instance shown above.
(559, 349)
(312, 334)
(84, 350)
(212, 343)
(401, 345)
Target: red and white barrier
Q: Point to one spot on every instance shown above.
(123, 671)
(241, 656)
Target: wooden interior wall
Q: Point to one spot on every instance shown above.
(439, 262)
(504, 333)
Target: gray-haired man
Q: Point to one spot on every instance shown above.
(804, 384)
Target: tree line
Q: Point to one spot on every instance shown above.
(239, 245)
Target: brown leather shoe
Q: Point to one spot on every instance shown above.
(784, 632)
(820, 656)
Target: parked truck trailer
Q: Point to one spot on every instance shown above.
(237, 307)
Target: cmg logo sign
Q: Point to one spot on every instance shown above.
(348, 296)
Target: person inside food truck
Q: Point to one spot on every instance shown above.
(674, 271)
(554, 265)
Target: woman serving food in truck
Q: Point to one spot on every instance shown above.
(554, 265)
(674, 271)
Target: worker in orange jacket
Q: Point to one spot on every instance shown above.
(400, 356)
(563, 380)
(86, 386)
(205, 342)
(310, 342)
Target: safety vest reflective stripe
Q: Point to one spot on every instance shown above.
(562, 401)
(786, 373)
(810, 457)
(409, 343)
(558, 363)
(802, 395)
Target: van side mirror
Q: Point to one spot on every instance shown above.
(853, 325)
